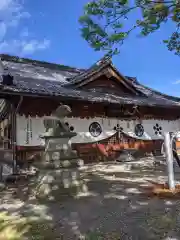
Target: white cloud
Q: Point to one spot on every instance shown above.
(176, 82)
(24, 47)
(34, 45)
(12, 12)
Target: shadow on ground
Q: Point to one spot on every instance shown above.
(115, 206)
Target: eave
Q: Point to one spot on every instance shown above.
(92, 97)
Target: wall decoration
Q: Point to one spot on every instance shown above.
(81, 126)
(118, 128)
(139, 130)
(30, 128)
(157, 129)
(27, 131)
(95, 129)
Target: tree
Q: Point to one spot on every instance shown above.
(104, 26)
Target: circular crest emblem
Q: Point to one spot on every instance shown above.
(95, 129)
(139, 130)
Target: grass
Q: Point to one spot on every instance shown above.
(21, 228)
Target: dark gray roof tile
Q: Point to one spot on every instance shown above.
(39, 70)
(53, 88)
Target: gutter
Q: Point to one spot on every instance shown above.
(14, 136)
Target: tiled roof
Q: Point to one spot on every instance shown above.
(21, 67)
(38, 78)
(53, 88)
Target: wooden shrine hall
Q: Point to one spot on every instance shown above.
(110, 111)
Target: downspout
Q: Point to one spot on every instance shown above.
(14, 133)
(14, 111)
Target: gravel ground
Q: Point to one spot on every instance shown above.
(115, 206)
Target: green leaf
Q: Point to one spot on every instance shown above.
(152, 20)
(117, 36)
(83, 19)
(165, 41)
(103, 22)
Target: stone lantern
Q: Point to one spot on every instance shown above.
(58, 168)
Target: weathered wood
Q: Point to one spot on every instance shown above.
(108, 84)
(45, 106)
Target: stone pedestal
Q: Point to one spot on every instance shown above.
(58, 151)
(59, 176)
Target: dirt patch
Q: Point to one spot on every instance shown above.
(113, 207)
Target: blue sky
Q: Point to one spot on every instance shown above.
(49, 30)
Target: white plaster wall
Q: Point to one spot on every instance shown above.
(81, 127)
(37, 129)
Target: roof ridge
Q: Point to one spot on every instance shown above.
(101, 63)
(10, 58)
(160, 93)
(153, 91)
